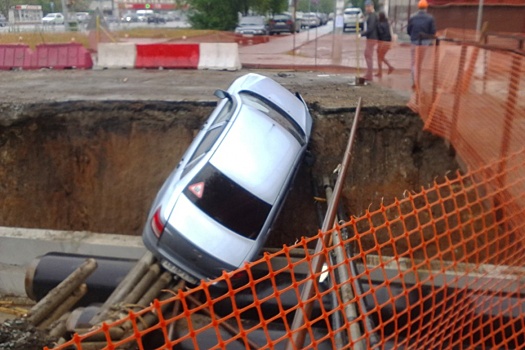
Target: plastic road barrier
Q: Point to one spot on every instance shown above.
(15, 56)
(116, 55)
(219, 56)
(63, 56)
(167, 56)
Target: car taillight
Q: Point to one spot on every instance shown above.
(156, 223)
(289, 22)
(239, 276)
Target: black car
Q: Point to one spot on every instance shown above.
(283, 23)
(252, 25)
(156, 18)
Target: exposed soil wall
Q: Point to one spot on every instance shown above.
(97, 166)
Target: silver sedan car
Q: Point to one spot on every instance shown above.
(216, 209)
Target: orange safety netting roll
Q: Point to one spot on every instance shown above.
(440, 268)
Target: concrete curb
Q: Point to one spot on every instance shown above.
(20, 246)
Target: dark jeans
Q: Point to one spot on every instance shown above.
(418, 49)
(369, 57)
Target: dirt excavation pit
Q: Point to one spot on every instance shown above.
(96, 166)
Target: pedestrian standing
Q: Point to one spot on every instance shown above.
(371, 38)
(385, 39)
(422, 29)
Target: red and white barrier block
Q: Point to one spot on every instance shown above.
(212, 56)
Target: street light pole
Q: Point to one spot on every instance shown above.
(65, 13)
(480, 16)
(338, 31)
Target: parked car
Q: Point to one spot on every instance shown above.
(110, 19)
(82, 17)
(252, 25)
(155, 18)
(53, 18)
(143, 15)
(353, 17)
(3, 21)
(216, 209)
(323, 18)
(130, 18)
(283, 23)
(310, 20)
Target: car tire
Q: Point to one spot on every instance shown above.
(309, 158)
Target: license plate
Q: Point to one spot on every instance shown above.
(175, 270)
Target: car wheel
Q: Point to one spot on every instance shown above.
(309, 158)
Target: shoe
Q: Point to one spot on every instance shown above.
(390, 70)
(379, 75)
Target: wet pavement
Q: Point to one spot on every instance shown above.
(321, 50)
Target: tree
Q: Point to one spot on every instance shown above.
(224, 14)
(324, 6)
(213, 14)
(270, 6)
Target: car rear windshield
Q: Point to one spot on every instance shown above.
(228, 203)
(352, 12)
(251, 21)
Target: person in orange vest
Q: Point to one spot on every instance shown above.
(422, 29)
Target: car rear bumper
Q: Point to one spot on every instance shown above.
(179, 256)
(281, 30)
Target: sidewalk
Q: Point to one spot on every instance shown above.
(315, 49)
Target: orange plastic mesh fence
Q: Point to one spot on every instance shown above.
(440, 268)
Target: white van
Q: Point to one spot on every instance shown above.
(143, 15)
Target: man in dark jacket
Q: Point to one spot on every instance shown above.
(371, 38)
(421, 28)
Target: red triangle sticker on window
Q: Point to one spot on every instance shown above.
(197, 189)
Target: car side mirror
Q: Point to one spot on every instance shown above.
(223, 94)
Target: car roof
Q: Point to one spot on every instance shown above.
(252, 19)
(264, 161)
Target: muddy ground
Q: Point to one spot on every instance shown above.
(88, 150)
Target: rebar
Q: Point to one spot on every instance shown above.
(297, 329)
